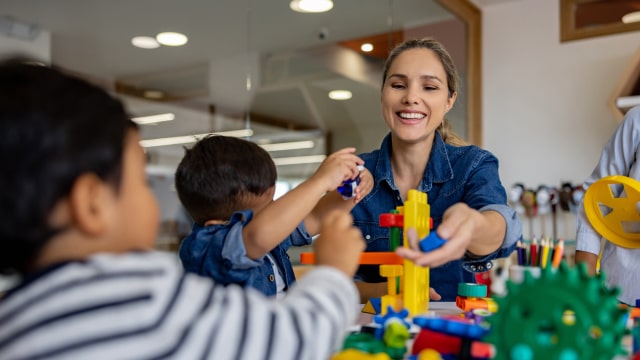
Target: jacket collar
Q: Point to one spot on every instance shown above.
(438, 169)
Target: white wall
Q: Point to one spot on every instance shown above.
(39, 48)
(545, 111)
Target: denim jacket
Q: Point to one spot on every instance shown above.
(218, 251)
(454, 174)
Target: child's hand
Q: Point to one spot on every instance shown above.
(365, 186)
(340, 243)
(340, 166)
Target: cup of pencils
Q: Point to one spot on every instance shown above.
(548, 253)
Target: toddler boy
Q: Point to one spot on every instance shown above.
(79, 225)
(241, 236)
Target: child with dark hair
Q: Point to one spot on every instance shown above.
(241, 236)
(79, 225)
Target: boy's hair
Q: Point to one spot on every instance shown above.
(219, 173)
(54, 127)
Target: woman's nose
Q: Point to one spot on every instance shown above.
(410, 97)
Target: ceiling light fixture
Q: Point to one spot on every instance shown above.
(145, 42)
(153, 119)
(311, 6)
(631, 17)
(340, 94)
(172, 38)
(366, 47)
(295, 160)
(293, 145)
(188, 139)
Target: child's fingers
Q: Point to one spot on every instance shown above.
(346, 150)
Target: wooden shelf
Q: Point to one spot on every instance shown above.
(627, 92)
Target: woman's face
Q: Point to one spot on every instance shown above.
(415, 95)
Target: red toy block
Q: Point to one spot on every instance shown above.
(391, 220)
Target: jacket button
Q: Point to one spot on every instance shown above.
(272, 278)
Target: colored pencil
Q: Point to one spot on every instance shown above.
(545, 253)
(534, 252)
(557, 254)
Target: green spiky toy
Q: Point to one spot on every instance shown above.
(565, 314)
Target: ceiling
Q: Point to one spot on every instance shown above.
(291, 59)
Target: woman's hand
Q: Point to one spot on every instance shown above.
(458, 224)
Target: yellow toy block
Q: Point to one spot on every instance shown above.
(393, 297)
(414, 280)
(416, 212)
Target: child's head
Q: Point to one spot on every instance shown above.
(220, 175)
(73, 175)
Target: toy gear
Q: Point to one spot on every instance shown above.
(608, 212)
(531, 322)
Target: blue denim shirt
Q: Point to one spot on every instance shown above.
(218, 251)
(454, 174)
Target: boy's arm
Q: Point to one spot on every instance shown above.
(277, 220)
(310, 322)
(334, 201)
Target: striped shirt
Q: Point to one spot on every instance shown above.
(143, 306)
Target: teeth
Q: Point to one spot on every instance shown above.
(411, 115)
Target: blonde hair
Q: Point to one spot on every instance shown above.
(449, 136)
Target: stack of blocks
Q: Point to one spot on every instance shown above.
(413, 293)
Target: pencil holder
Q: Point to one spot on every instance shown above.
(517, 272)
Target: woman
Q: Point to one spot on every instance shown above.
(468, 202)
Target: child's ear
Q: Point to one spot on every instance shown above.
(89, 202)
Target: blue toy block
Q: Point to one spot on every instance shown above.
(431, 242)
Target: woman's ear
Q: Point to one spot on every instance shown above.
(89, 204)
(451, 100)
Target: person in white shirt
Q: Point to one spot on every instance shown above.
(621, 266)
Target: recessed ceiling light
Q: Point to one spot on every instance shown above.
(340, 94)
(366, 47)
(172, 38)
(311, 6)
(145, 42)
(631, 17)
